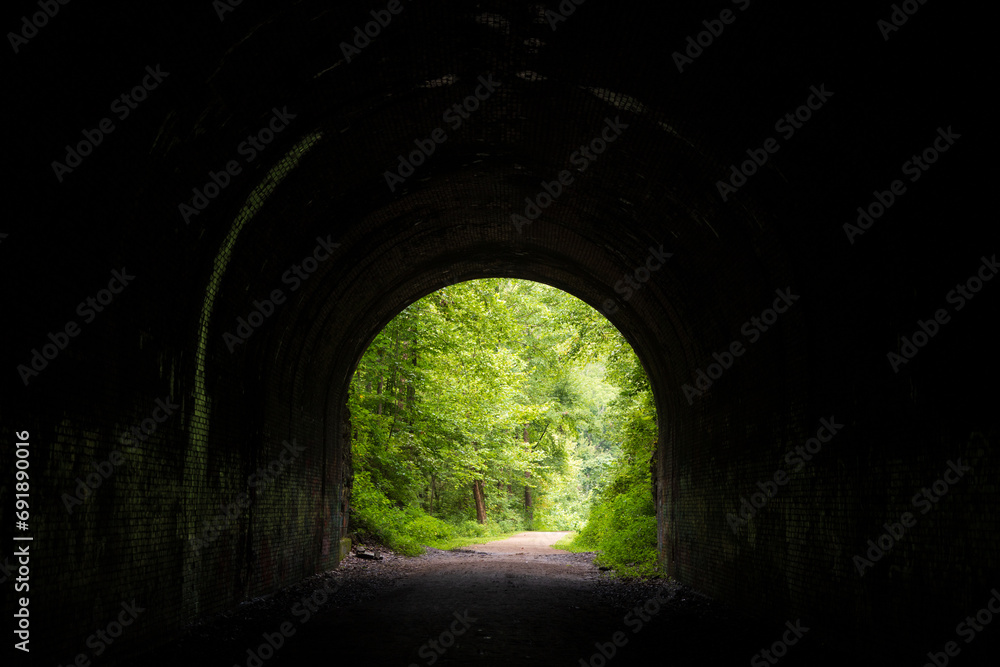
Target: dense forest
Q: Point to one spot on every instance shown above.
(496, 406)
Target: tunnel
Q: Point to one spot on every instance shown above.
(216, 207)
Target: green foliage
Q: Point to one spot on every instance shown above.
(622, 528)
(568, 543)
(426, 529)
(621, 525)
(471, 528)
(519, 388)
(375, 514)
(408, 530)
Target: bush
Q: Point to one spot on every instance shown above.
(471, 528)
(372, 512)
(407, 530)
(509, 526)
(425, 528)
(622, 528)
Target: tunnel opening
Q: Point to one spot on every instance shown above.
(496, 406)
(867, 214)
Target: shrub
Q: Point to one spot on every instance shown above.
(471, 528)
(425, 528)
(622, 528)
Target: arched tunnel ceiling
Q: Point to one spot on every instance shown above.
(702, 88)
(691, 112)
(452, 225)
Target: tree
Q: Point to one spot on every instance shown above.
(489, 386)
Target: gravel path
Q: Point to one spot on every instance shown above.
(511, 602)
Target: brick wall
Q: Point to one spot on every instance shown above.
(162, 337)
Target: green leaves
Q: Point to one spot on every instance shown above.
(511, 383)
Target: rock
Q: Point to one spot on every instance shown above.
(343, 549)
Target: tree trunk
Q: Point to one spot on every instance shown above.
(433, 493)
(477, 495)
(528, 509)
(394, 360)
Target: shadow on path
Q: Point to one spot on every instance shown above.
(511, 602)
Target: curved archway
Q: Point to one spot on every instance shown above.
(329, 320)
(560, 88)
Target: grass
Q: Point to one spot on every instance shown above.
(566, 544)
(458, 542)
(643, 569)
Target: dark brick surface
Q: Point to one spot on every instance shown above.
(451, 222)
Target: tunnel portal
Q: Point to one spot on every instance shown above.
(771, 203)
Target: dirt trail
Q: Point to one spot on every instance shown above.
(511, 602)
(530, 543)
